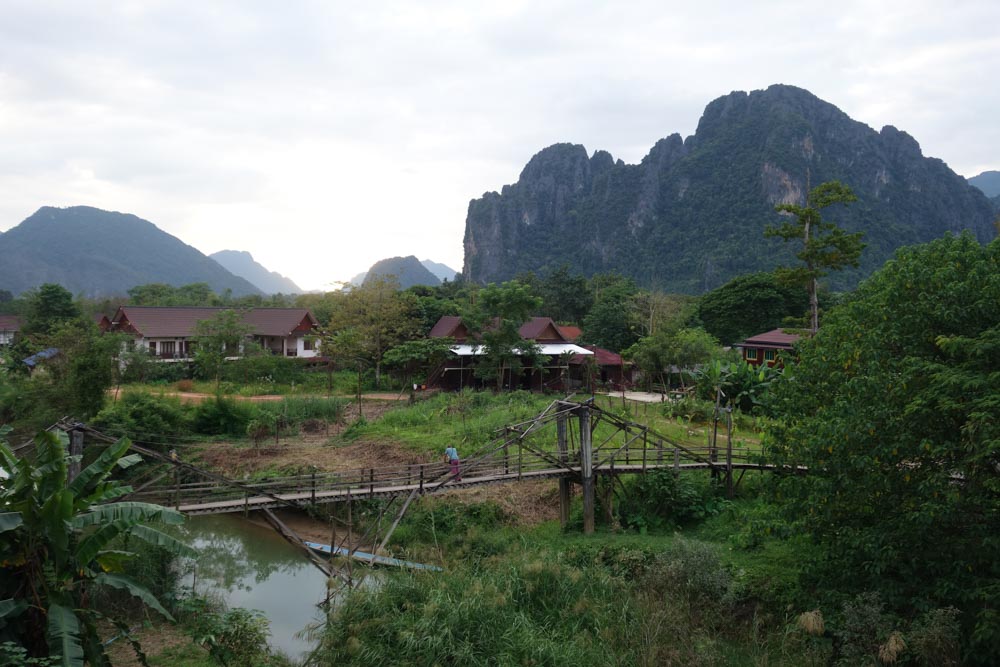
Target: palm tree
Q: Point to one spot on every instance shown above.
(56, 550)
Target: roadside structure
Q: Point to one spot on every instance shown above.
(9, 326)
(767, 348)
(168, 332)
(458, 370)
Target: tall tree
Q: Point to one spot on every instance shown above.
(825, 246)
(612, 322)
(497, 318)
(380, 314)
(893, 408)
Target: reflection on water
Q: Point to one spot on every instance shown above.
(253, 567)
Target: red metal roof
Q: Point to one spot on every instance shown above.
(180, 322)
(10, 323)
(773, 338)
(541, 328)
(570, 332)
(601, 357)
(446, 326)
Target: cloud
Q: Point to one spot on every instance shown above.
(322, 137)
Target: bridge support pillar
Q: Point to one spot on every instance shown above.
(564, 483)
(587, 470)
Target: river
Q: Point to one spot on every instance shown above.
(251, 566)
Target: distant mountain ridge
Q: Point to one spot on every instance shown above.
(988, 182)
(407, 270)
(691, 215)
(441, 271)
(242, 264)
(102, 253)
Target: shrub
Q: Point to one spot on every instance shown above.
(659, 499)
(233, 637)
(185, 385)
(221, 416)
(935, 638)
(145, 418)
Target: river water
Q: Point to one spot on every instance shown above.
(251, 566)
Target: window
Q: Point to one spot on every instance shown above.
(167, 348)
(768, 355)
(152, 347)
(751, 354)
(307, 343)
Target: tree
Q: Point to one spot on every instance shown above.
(611, 323)
(418, 355)
(749, 305)
(60, 546)
(566, 298)
(48, 308)
(221, 336)
(893, 408)
(379, 313)
(825, 246)
(682, 348)
(497, 319)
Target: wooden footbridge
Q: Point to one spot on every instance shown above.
(557, 444)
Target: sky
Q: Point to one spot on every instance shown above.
(323, 136)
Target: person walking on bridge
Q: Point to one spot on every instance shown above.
(451, 454)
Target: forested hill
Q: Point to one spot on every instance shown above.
(692, 214)
(242, 264)
(409, 271)
(99, 253)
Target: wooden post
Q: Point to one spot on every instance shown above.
(177, 488)
(350, 536)
(506, 458)
(371, 483)
(314, 486)
(714, 451)
(564, 461)
(520, 458)
(644, 451)
(246, 504)
(729, 452)
(677, 462)
(75, 449)
(586, 470)
(421, 478)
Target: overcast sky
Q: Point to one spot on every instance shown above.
(322, 136)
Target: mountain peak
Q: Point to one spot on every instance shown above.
(242, 263)
(94, 252)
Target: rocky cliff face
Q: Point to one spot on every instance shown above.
(691, 215)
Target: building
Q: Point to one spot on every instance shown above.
(9, 326)
(459, 369)
(768, 348)
(169, 332)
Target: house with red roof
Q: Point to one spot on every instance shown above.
(168, 332)
(767, 348)
(458, 370)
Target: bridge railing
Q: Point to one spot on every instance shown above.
(510, 463)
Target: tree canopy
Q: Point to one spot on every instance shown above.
(893, 408)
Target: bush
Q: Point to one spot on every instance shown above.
(145, 418)
(691, 409)
(233, 637)
(221, 416)
(659, 499)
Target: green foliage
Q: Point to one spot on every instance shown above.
(48, 308)
(58, 548)
(497, 318)
(893, 409)
(520, 611)
(749, 305)
(660, 499)
(222, 416)
(234, 637)
(612, 323)
(223, 335)
(684, 349)
(145, 417)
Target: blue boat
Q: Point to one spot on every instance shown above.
(371, 559)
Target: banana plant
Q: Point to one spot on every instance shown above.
(57, 538)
